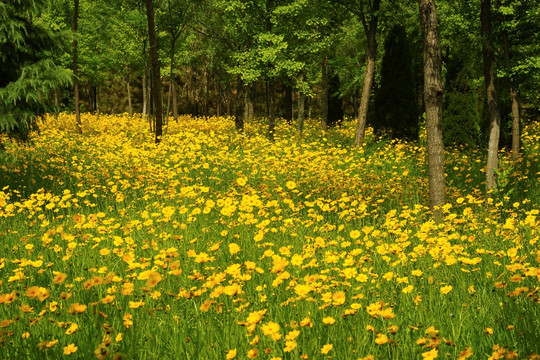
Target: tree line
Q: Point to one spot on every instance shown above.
(470, 69)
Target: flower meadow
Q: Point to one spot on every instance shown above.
(220, 245)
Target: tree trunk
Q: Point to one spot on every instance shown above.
(97, 101)
(251, 90)
(288, 103)
(513, 98)
(324, 96)
(156, 82)
(172, 91)
(301, 104)
(271, 110)
(433, 99)
(56, 104)
(371, 32)
(130, 108)
(238, 116)
(76, 69)
(144, 85)
(174, 100)
(492, 102)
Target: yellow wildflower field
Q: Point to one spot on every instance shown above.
(220, 245)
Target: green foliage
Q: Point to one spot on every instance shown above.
(395, 105)
(461, 118)
(27, 74)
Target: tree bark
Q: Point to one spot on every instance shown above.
(130, 108)
(174, 100)
(513, 98)
(238, 116)
(324, 96)
(491, 92)
(271, 110)
(301, 104)
(371, 32)
(76, 69)
(156, 81)
(433, 99)
(144, 86)
(288, 103)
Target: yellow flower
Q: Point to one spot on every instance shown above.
(72, 328)
(417, 272)
(231, 354)
(328, 320)
(326, 348)
(252, 354)
(234, 248)
(355, 234)
(59, 277)
(290, 185)
(241, 181)
(338, 298)
(381, 339)
(430, 355)
(467, 353)
(153, 279)
(70, 349)
(128, 320)
(446, 289)
(77, 308)
(270, 328)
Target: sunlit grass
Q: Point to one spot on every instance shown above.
(218, 245)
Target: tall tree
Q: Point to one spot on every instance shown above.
(76, 68)
(433, 99)
(156, 77)
(491, 94)
(28, 75)
(368, 12)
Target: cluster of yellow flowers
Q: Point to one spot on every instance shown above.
(304, 248)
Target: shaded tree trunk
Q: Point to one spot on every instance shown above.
(130, 108)
(238, 116)
(491, 92)
(174, 100)
(301, 104)
(371, 32)
(513, 98)
(324, 96)
(288, 103)
(433, 99)
(144, 85)
(156, 82)
(76, 68)
(271, 110)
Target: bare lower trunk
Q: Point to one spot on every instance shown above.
(56, 105)
(324, 95)
(371, 32)
(271, 111)
(130, 108)
(239, 119)
(513, 98)
(301, 104)
(76, 69)
(433, 99)
(145, 105)
(97, 102)
(491, 92)
(288, 103)
(156, 81)
(174, 101)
